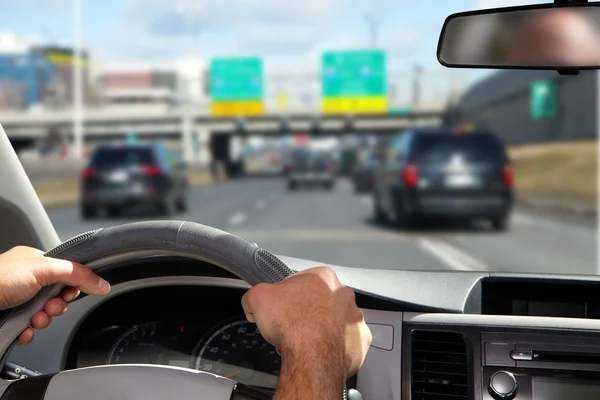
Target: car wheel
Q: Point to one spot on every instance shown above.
(378, 215)
(329, 186)
(181, 204)
(87, 212)
(405, 220)
(113, 211)
(500, 224)
(166, 207)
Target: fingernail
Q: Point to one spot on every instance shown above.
(103, 285)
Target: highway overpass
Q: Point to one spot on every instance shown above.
(104, 123)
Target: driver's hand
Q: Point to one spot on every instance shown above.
(311, 310)
(24, 271)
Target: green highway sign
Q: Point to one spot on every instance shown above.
(236, 79)
(354, 73)
(354, 81)
(543, 100)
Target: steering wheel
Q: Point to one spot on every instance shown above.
(99, 249)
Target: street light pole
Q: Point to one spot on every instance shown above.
(77, 79)
(373, 26)
(185, 83)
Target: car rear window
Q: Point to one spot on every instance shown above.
(479, 148)
(114, 157)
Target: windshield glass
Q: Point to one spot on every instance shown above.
(246, 91)
(112, 157)
(473, 148)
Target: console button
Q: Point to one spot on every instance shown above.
(521, 355)
(503, 385)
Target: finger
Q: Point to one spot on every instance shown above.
(56, 307)
(40, 320)
(247, 308)
(64, 272)
(70, 293)
(25, 337)
(253, 298)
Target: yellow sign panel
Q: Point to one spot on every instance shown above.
(355, 105)
(237, 108)
(64, 58)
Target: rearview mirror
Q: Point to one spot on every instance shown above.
(564, 37)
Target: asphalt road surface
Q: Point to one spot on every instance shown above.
(336, 228)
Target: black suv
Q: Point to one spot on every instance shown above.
(444, 173)
(124, 175)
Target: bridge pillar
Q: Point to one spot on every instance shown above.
(204, 155)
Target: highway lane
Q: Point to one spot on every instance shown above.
(336, 228)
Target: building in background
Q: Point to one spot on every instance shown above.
(138, 86)
(63, 59)
(27, 80)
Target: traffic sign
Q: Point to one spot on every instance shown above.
(543, 100)
(354, 81)
(236, 86)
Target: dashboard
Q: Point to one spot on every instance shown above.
(435, 335)
(178, 326)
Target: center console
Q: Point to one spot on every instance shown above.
(542, 366)
(526, 342)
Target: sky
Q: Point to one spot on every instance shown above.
(289, 35)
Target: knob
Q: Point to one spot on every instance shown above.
(503, 385)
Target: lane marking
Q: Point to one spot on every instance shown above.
(333, 235)
(237, 218)
(260, 204)
(451, 256)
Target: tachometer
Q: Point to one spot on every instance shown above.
(150, 343)
(238, 351)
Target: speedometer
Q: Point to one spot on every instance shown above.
(238, 351)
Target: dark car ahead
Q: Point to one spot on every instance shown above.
(123, 175)
(443, 174)
(363, 174)
(310, 167)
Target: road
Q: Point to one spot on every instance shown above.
(336, 228)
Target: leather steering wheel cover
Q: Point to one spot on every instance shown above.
(187, 239)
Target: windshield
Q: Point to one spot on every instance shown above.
(115, 157)
(246, 91)
(473, 148)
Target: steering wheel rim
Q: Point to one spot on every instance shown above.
(103, 247)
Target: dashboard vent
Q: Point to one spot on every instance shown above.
(439, 366)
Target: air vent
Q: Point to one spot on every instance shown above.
(439, 366)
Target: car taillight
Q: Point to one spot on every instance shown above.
(509, 176)
(290, 167)
(410, 175)
(88, 173)
(151, 170)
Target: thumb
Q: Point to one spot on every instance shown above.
(52, 271)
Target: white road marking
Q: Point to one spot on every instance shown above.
(237, 218)
(451, 256)
(260, 204)
(332, 235)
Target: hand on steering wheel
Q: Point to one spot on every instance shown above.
(24, 271)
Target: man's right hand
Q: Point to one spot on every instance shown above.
(313, 321)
